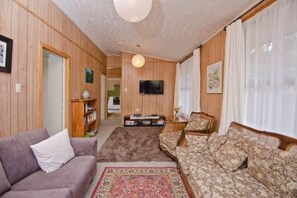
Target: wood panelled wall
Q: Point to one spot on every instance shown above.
(211, 52)
(114, 66)
(114, 73)
(32, 23)
(114, 61)
(154, 69)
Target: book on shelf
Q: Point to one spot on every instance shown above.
(94, 115)
(90, 118)
(85, 107)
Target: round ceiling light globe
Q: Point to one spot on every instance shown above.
(133, 10)
(138, 60)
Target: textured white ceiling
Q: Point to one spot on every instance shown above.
(172, 29)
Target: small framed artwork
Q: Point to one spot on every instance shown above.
(5, 54)
(89, 75)
(214, 78)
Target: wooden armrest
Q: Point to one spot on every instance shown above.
(206, 131)
(197, 133)
(173, 126)
(182, 140)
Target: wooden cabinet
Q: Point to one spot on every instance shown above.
(84, 117)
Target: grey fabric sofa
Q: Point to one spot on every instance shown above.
(21, 176)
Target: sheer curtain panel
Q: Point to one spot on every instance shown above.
(186, 82)
(195, 83)
(177, 90)
(234, 68)
(271, 63)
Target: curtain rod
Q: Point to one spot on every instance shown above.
(243, 14)
(189, 55)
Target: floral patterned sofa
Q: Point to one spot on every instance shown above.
(173, 133)
(243, 163)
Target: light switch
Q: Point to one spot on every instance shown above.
(137, 110)
(18, 87)
(126, 89)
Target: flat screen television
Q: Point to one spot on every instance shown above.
(151, 86)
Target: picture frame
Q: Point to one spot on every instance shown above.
(214, 78)
(5, 54)
(89, 73)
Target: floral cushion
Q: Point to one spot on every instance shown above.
(229, 156)
(170, 139)
(197, 143)
(196, 123)
(209, 182)
(185, 158)
(274, 168)
(215, 142)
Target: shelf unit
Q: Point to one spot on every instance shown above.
(146, 120)
(84, 117)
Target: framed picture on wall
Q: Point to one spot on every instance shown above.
(214, 78)
(5, 54)
(89, 75)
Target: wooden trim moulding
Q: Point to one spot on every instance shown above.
(67, 83)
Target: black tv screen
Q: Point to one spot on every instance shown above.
(151, 86)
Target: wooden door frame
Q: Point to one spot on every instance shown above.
(104, 96)
(67, 80)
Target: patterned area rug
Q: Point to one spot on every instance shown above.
(140, 182)
(130, 144)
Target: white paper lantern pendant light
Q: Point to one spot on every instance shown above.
(138, 60)
(133, 11)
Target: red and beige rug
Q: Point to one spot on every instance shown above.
(140, 182)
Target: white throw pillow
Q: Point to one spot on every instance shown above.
(53, 152)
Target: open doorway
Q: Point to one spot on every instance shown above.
(54, 91)
(113, 98)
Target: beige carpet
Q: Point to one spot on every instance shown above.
(130, 144)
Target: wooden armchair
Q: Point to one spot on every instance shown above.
(173, 133)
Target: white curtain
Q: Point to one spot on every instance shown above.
(177, 90)
(271, 69)
(186, 83)
(234, 69)
(195, 82)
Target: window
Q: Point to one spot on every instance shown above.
(271, 64)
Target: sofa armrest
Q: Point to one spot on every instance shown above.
(173, 126)
(84, 146)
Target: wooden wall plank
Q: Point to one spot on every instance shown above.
(14, 69)
(22, 70)
(30, 73)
